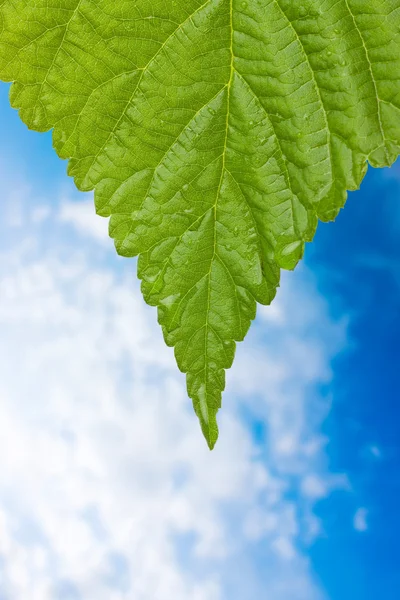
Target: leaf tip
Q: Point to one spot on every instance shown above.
(206, 411)
(211, 440)
(209, 428)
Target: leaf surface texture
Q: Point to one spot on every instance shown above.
(214, 134)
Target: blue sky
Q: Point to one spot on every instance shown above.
(107, 489)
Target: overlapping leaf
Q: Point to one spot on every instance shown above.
(215, 134)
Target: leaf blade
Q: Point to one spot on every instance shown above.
(215, 134)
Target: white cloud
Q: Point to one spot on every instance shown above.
(375, 451)
(360, 521)
(40, 214)
(81, 215)
(313, 486)
(13, 204)
(284, 547)
(107, 489)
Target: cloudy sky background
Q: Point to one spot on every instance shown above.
(107, 488)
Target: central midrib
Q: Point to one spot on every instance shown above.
(229, 84)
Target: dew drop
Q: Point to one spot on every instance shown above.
(202, 398)
(151, 274)
(169, 300)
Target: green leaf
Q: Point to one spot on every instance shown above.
(215, 134)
